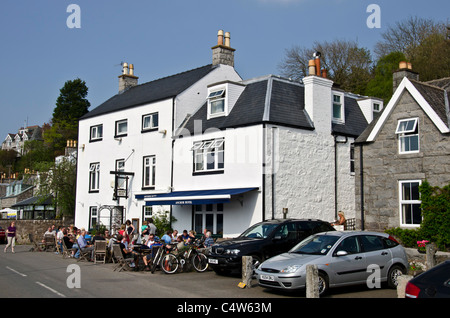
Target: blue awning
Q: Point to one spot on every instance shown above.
(192, 197)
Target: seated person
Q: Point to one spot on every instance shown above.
(341, 220)
(167, 238)
(148, 245)
(209, 241)
(83, 244)
(127, 252)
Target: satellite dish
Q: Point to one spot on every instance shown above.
(317, 54)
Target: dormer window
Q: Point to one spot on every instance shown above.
(338, 108)
(216, 103)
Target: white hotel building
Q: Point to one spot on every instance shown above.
(219, 152)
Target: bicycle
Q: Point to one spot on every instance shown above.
(157, 258)
(182, 260)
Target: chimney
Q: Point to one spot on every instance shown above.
(314, 66)
(404, 70)
(318, 96)
(127, 79)
(222, 52)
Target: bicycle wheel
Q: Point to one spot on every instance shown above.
(169, 263)
(200, 262)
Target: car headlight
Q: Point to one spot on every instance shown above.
(232, 252)
(291, 269)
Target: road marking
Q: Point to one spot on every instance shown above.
(18, 273)
(51, 289)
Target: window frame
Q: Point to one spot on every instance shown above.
(406, 135)
(94, 177)
(217, 94)
(151, 172)
(403, 202)
(202, 149)
(95, 136)
(151, 127)
(215, 213)
(341, 103)
(117, 133)
(93, 209)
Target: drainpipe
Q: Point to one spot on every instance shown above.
(273, 172)
(264, 173)
(336, 141)
(361, 184)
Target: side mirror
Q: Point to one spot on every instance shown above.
(341, 253)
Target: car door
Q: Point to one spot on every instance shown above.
(349, 268)
(282, 240)
(377, 254)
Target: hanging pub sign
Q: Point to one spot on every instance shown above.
(121, 184)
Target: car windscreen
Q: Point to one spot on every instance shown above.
(315, 245)
(259, 230)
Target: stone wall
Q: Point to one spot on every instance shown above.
(384, 167)
(35, 227)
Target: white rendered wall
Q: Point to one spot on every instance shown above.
(132, 148)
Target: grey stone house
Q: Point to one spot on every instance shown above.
(408, 143)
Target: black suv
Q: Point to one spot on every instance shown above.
(262, 241)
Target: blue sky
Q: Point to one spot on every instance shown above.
(39, 53)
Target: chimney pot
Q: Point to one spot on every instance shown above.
(227, 39)
(125, 69)
(311, 67)
(131, 69)
(220, 37)
(402, 64)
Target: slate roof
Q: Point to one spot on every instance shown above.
(279, 101)
(153, 91)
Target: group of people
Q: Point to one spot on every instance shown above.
(149, 239)
(76, 239)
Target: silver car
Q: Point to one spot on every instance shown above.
(343, 258)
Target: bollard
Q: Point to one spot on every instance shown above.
(312, 281)
(401, 286)
(431, 255)
(247, 270)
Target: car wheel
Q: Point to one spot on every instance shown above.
(323, 284)
(393, 274)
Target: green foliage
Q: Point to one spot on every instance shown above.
(435, 206)
(71, 103)
(407, 237)
(381, 84)
(435, 226)
(163, 223)
(60, 181)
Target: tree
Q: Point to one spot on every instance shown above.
(347, 64)
(381, 84)
(71, 104)
(423, 42)
(59, 180)
(405, 36)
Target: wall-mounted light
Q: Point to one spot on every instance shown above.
(163, 131)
